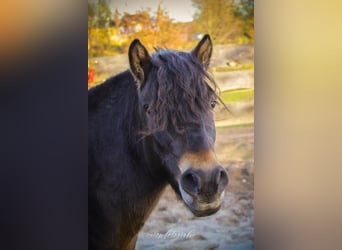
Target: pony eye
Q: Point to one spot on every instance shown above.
(213, 104)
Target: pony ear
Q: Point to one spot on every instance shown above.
(139, 60)
(204, 50)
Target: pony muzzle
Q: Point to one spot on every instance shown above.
(202, 182)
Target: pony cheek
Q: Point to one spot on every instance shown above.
(173, 173)
(172, 168)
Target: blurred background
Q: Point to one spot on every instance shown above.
(112, 25)
(173, 24)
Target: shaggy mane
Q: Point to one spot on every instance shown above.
(181, 91)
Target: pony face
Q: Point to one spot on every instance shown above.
(176, 102)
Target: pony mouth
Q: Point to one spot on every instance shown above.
(200, 209)
(202, 213)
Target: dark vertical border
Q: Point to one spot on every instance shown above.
(43, 145)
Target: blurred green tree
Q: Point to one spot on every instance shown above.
(99, 21)
(91, 15)
(217, 18)
(103, 14)
(245, 14)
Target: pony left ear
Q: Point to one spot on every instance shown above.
(139, 61)
(204, 50)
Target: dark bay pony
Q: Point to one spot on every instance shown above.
(150, 127)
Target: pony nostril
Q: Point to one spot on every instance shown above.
(190, 182)
(221, 179)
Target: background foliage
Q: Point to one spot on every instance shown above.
(109, 32)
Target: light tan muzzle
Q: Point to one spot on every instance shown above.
(202, 182)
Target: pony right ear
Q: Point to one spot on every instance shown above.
(139, 61)
(204, 50)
